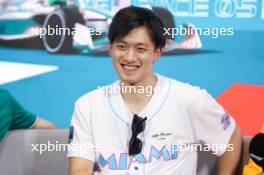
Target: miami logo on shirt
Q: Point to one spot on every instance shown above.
(125, 161)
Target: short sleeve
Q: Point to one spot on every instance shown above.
(22, 119)
(80, 137)
(213, 125)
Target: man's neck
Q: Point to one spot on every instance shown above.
(136, 101)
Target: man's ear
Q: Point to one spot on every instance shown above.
(158, 52)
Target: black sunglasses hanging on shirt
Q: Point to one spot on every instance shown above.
(138, 126)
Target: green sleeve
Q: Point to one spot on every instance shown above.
(5, 113)
(22, 119)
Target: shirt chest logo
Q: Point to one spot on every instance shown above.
(123, 161)
(225, 121)
(161, 135)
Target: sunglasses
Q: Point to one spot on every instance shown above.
(138, 126)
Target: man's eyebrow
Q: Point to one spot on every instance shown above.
(142, 44)
(137, 44)
(121, 42)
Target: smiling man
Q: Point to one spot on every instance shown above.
(137, 133)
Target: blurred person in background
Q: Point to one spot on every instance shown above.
(252, 168)
(14, 116)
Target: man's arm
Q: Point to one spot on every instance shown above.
(80, 166)
(229, 161)
(43, 124)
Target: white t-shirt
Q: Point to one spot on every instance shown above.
(178, 115)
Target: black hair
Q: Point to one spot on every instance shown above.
(132, 17)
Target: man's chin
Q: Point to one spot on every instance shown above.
(130, 80)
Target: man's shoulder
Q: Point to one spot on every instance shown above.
(184, 88)
(184, 93)
(95, 95)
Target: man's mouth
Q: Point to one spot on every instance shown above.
(130, 67)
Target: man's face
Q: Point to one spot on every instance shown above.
(133, 56)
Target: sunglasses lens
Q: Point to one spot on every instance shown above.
(138, 124)
(135, 146)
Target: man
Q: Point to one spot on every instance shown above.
(251, 168)
(14, 116)
(134, 132)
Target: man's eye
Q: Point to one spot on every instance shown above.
(140, 49)
(121, 47)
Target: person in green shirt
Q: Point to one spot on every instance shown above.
(14, 116)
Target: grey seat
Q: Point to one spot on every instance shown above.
(17, 156)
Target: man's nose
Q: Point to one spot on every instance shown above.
(130, 55)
